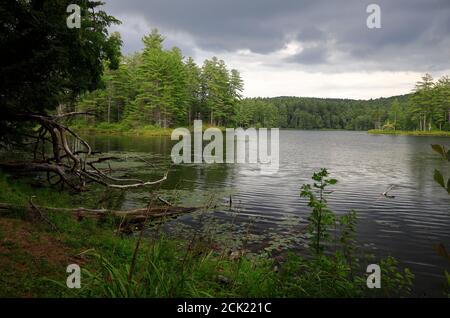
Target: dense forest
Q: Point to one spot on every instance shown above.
(160, 87)
(316, 113)
(428, 107)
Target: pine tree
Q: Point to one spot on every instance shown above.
(422, 106)
(441, 98)
(394, 113)
(218, 99)
(193, 89)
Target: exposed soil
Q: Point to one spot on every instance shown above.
(28, 254)
(28, 238)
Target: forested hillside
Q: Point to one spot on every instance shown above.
(316, 113)
(162, 88)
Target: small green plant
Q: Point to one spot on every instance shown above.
(394, 282)
(321, 217)
(438, 177)
(339, 274)
(347, 240)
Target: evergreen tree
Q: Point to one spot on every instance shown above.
(442, 103)
(193, 89)
(422, 102)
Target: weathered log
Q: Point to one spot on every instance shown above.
(137, 215)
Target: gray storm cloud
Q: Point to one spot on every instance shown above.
(415, 34)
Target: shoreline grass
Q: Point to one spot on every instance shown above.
(145, 131)
(117, 129)
(434, 133)
(156, 131)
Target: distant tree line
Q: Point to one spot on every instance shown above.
(426, 108)
(315, 113)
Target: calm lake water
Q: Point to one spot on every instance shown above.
(267, 213)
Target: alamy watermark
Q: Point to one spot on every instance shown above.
(74, 19)
(374, 278)
(241, 146)
(374, 19)
(74, 278)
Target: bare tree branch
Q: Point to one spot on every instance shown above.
(67, 164)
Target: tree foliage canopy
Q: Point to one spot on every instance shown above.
(43, 62)
(162, 87)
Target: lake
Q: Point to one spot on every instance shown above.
(267, 214)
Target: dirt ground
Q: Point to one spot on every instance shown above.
(27, 255)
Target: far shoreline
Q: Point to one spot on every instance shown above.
(153, 131)
(432, 133)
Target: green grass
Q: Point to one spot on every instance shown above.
(121, 129)
(439, 133)
(164, 267)
(18, 191)
(29, 282)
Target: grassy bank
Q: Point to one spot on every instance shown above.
(121, 129)
(34, 254)
(150, 131)
(438, 133)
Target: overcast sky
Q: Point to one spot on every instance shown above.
(301, 47)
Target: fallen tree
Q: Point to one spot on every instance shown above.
(130, 220)
(66, 166)
(151, 212)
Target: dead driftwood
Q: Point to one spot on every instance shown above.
(130, 216)
(64, 165)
